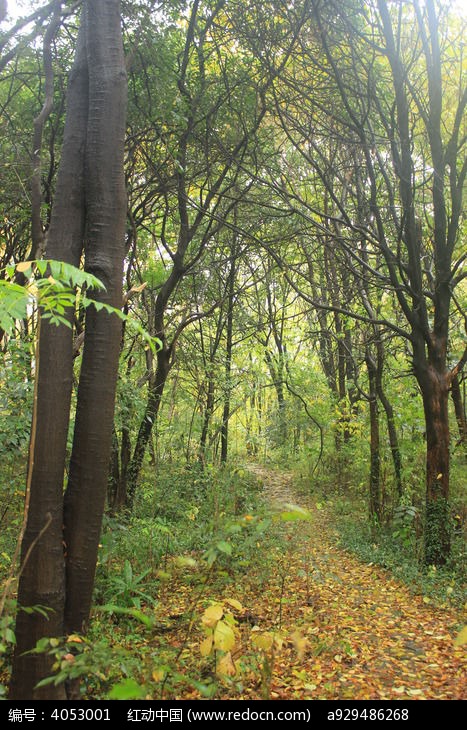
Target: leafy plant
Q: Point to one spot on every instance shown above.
(220, 628)
(126, 589)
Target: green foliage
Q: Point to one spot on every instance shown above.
(15, 398)
(7, 642)
(93, 659)
(125, 589)
(50, 285)
(438, 527)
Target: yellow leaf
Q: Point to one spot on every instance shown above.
(263, 641)
(234, 603)
(461, 637)
(23, 266)
(226, 666)
(206, 646)
(337, 658)
(414, 692)
(224, 637)
(158, 675)
(300, 643)
(212, 615)
(75, 639)
(187, 562)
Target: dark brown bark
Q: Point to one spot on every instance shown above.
(155, 391)
(434, 384)
(90, 194)
(42, 581)
(375, 457)
(104, 249)
(208, 411)
(390, 420)
(459, 409)
(120, 459)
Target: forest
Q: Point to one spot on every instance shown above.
(233, 347)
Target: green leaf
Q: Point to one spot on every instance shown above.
(224, 547)
(46, 681)
(128, 571)
(127, 690)
(206, 690)
(123, 611)
(294, 513)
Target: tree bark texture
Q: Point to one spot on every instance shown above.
(104, 251)
(89, 208)
(375, 457)
(434, 380)
(459, 409)
(42, 581)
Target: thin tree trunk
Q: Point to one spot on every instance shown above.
(155, 392)
(392, 432)
(375, 459)
(459, 409)
(209, 410)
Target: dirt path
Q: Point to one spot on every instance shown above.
(348, 630)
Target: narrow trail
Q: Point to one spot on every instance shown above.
(356, 633)
(339, 628)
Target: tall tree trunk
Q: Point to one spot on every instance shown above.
(42, 581)
(434, 384)
(104, 250)
(120, 499)
(276, 369)
(375, 459)
(155, 392)
(91, 195)
(459, 409)
(389, 410)
(209, 410)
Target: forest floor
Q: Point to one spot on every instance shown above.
(322, 624)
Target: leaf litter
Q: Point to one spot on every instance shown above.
(321, 624)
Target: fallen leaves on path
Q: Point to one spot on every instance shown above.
(335, 628)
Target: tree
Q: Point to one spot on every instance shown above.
(219, 109)
(386, 83)
(59, 548)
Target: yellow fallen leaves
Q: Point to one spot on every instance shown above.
(226, 666)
